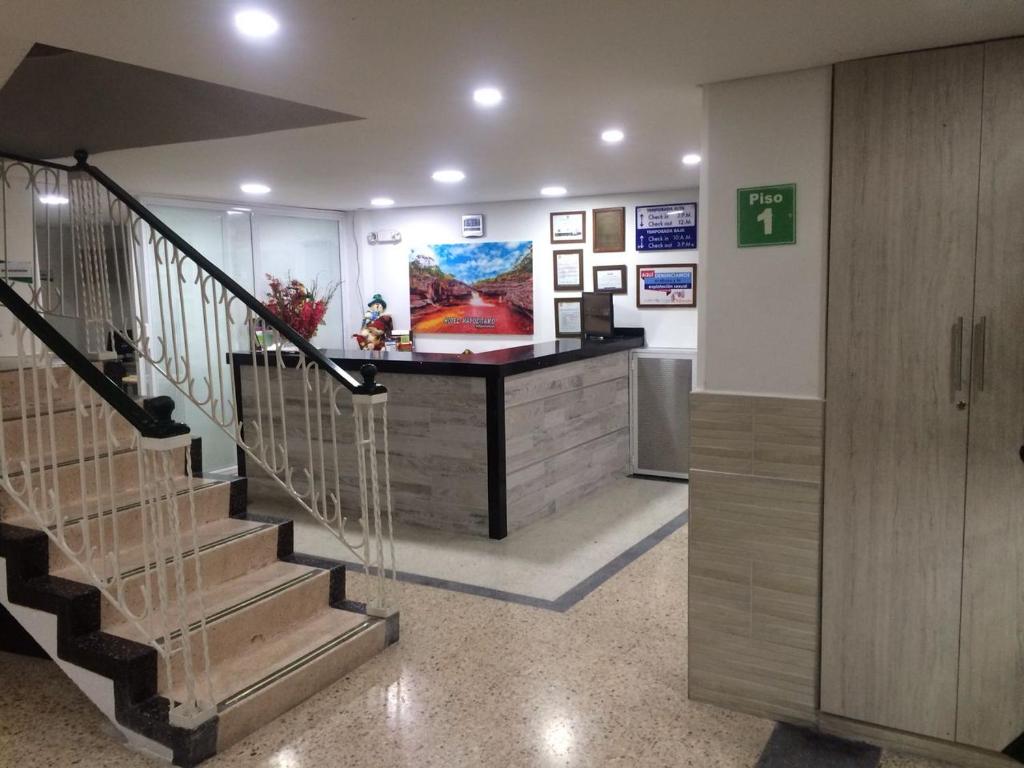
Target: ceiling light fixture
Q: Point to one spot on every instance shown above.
(382, 202)
(691, 159)
(53, 200)
(487, 97)
(448, 176)
(256, 24)
(254, 188)
(553, 191)
(612, 136)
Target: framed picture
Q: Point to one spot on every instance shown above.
(610, 279)
(609, 230)
(569, 318)
(666, 285)
(569, 227)
(568, 267)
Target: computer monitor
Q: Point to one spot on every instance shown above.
(598, 315)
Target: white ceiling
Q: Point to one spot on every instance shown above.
(568, 68)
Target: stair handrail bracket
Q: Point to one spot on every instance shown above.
(108, 263)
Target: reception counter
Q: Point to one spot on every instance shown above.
(487, 443)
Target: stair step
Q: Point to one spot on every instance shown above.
(11, 389)
(122, 471)
(212, 502)
(263, 682)
(64, 427)
(228, 548)
(247, 625)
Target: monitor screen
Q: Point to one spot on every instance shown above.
(598, 314)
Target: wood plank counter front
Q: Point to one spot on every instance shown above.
(483, 444)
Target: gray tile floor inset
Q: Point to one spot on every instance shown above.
(793, 747)
(568, 599)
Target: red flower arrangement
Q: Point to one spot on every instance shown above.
(302, 308)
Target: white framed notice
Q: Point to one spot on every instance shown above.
(610, 279)
(568, 318)
(568, 270)
(569, 227)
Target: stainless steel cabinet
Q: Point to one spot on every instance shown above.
(660, 384)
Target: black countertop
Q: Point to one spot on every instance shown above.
(500, 362)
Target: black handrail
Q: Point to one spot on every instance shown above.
(147, 424)
(368, 386)
(30, 161)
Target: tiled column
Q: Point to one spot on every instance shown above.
(755, 540)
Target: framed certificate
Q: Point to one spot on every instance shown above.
(568, 318)
(610, 279)
(568, 266)
(609, 230)
(569, 227)
(666, 285)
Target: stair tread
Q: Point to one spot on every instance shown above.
(230, 594)
(125, 500)
(251, 666)
(210, 534)
(70, 457)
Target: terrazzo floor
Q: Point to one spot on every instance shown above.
(474, 683)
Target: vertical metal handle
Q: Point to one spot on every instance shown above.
(978, 354)
(956, 354)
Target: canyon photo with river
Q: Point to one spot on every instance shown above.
(473, 288)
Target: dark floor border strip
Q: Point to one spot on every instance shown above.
(568, 599)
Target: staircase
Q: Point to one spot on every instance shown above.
(187, 620)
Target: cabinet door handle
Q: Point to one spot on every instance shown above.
(956, 354)
(978, 353)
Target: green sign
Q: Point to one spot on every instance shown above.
(766, 215)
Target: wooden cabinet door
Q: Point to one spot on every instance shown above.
(906, 133)
(991, 704)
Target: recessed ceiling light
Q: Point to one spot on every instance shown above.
(691, 159)
(240, 209)
(254, 188)
(255, 23)
(382, 202)
(553, 191)
(448, 176)
(487, 97)
(612, 136)
(53, 200)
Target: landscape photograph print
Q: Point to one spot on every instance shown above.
(472, 288)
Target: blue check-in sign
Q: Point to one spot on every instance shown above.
(666, 227)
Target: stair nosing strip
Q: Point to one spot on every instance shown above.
(204, 548)
(296, 664)
(124, 507)
(71, 462)
(231, 610)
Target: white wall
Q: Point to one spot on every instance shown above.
(763, 309)
(384, 268)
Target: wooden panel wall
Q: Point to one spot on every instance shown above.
(755, 512)
(566, 433)
(438, 444)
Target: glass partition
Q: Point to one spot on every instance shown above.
(308, 250)
(247, 245)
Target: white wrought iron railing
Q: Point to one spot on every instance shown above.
(111, 486)
(103, 260)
